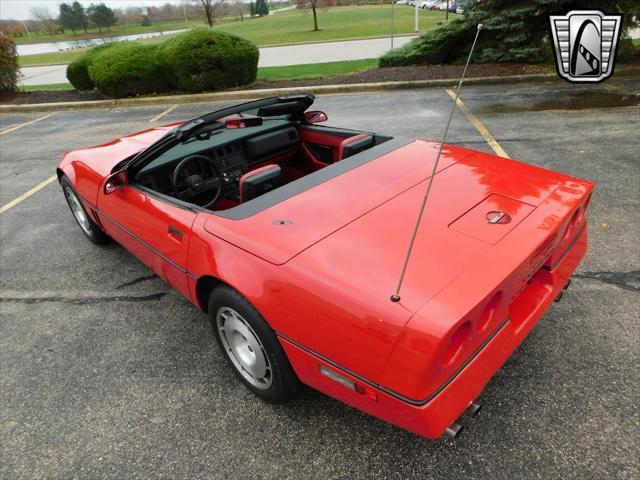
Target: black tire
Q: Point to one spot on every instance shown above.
(284, 383)
(90, 228)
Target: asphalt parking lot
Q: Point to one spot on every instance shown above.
(106, 372)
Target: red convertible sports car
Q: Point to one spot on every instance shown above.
(292, 236)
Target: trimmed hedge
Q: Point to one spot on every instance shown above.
(78, 70)
(204, 59)
(8, 65)
(128, 69)
(440, 45)
(194, 61)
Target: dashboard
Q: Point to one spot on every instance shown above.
(230, 160)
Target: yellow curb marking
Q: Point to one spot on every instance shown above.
(479, 126)
(16, 127)
(162, 114)
(27, 194)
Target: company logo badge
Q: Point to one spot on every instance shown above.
(498, 217)
(585, 44)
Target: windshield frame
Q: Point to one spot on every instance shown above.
(182, 131)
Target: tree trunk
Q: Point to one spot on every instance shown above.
(208, 12)
(315, 17)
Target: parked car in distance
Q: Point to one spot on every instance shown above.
(430, 4)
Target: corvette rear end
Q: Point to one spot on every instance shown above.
(498, 244)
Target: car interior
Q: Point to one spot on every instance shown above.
(243, 156)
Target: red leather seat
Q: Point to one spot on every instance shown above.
(259, 181)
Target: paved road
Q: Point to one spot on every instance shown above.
(269, 57)
(105, 372)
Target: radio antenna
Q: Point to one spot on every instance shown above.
(396, 296)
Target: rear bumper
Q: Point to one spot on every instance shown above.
(433, 417)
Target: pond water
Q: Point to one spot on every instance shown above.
(35, 48)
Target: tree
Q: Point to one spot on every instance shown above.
(513, 32)
(261, 8)
(101, 15)
(209, 8)
(43, 17)
(315, 15)
(80, 15)
(252, 9)
(238, 8)
(69, 18)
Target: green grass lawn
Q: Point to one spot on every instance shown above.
(636, 42)
(114, 31)
(317, 70)
(54, 58)
(295, 26)
(51, 86)
(336, 23)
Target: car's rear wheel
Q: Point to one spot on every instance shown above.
(90, 228)
(251, 347)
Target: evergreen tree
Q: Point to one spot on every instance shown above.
(252, 9)
(101, 15)
(261, 8)
(66, 17)
(513, 32)
(80, 15)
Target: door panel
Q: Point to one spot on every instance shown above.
(313, 139)
(155, 231)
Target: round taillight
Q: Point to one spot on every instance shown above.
(455, 343)
(489, 312)
(583, 210)
(570, 227)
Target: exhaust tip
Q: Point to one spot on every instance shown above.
(453, 430)
(474, 409)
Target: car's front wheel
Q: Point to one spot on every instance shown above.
(251, 347)
(90, 228)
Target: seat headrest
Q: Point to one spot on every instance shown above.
(356, 144)
(259, 181)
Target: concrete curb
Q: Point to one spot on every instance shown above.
(260, 93)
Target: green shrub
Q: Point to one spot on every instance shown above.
(129, 69)
(8, 65)
(627, 51)
(78, 70)
(204, 59)
(513, 32)
(440, 45)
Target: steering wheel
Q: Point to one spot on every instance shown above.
(188, 180)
